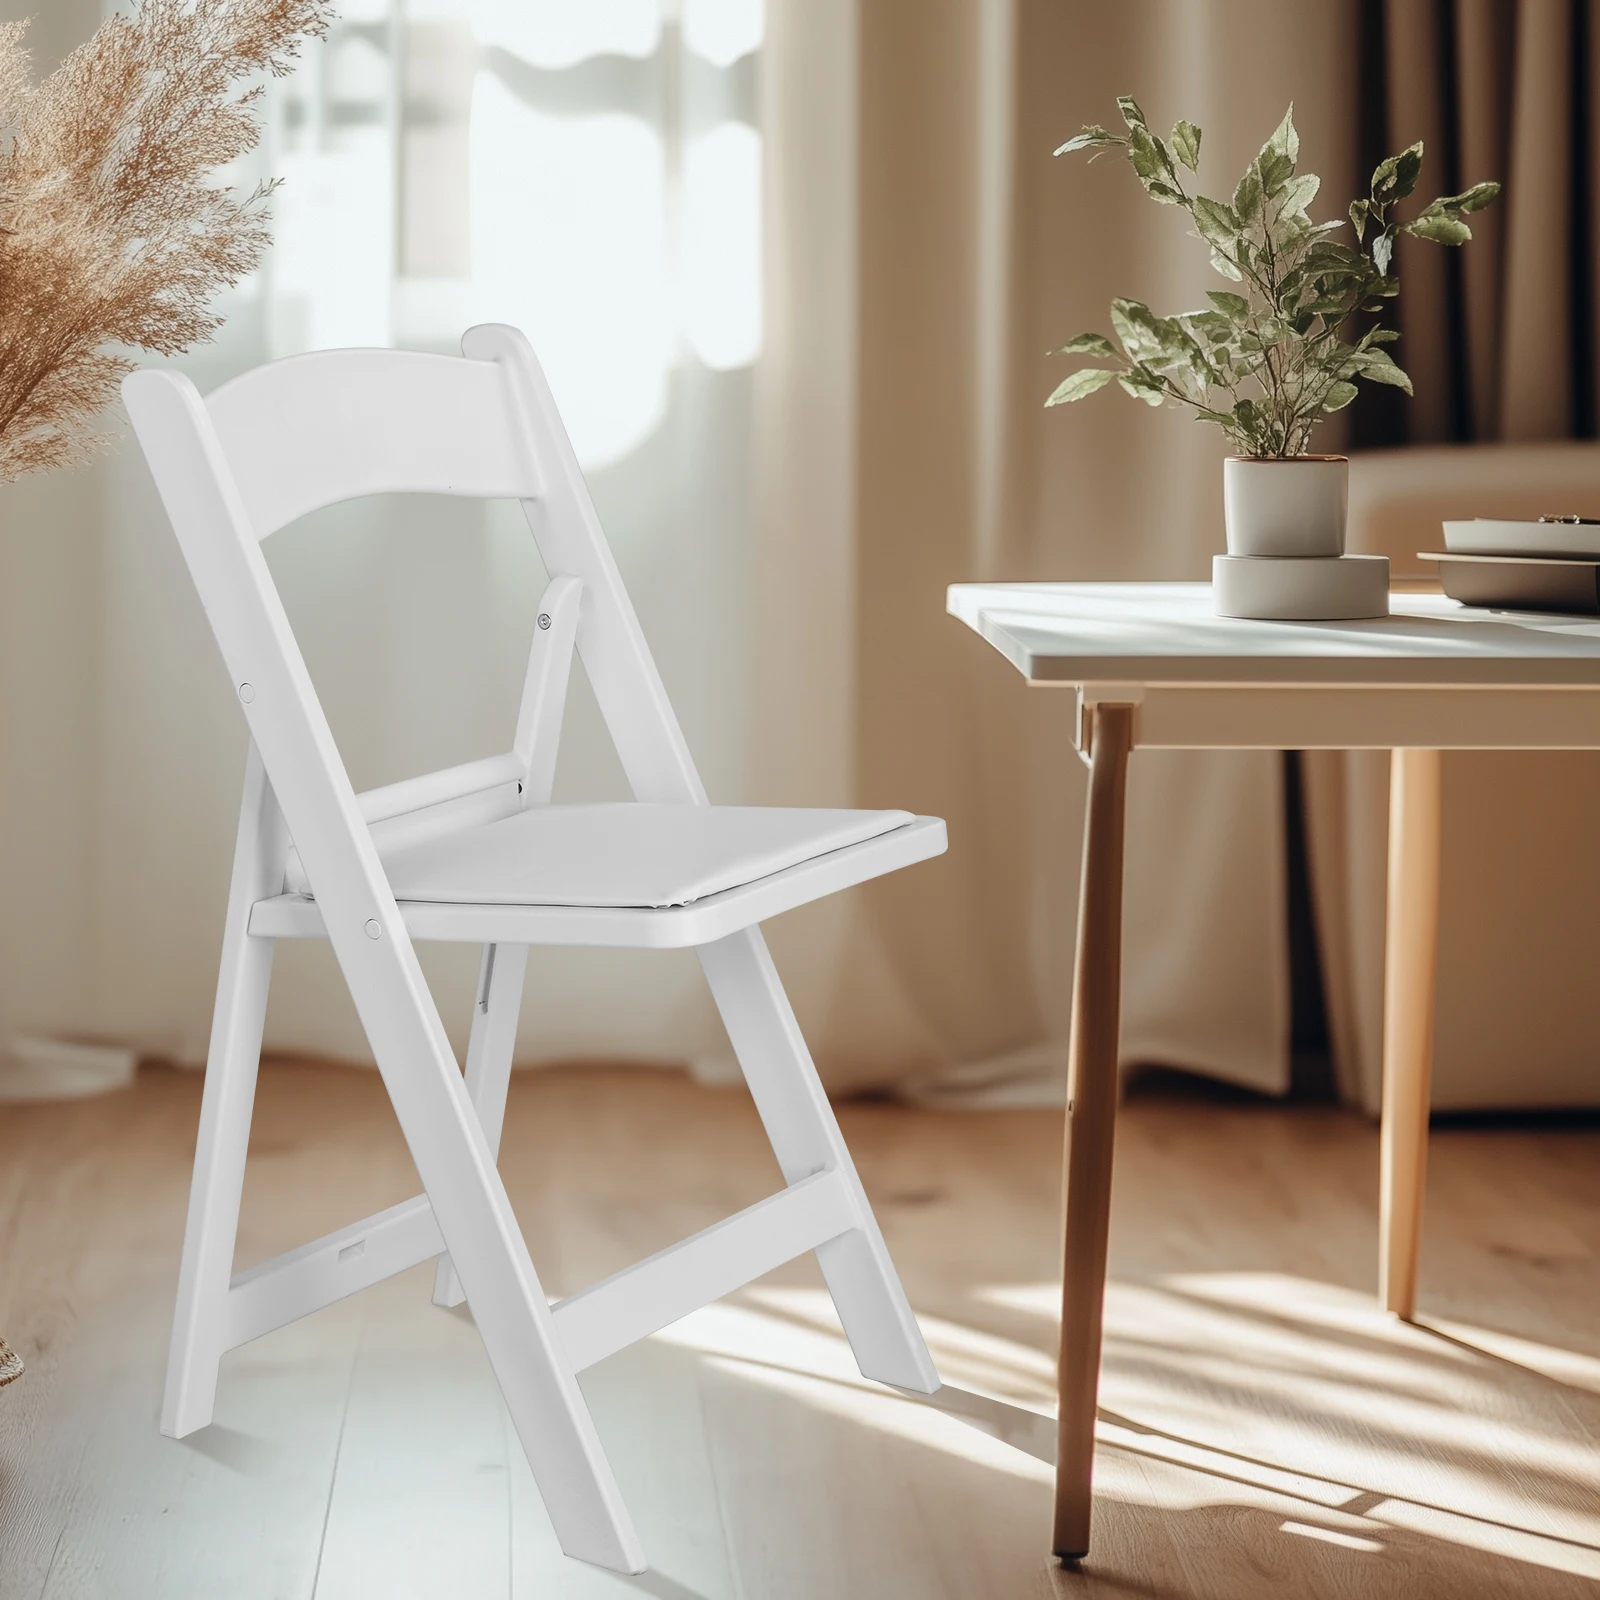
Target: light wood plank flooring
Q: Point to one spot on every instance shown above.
(1265, 1431)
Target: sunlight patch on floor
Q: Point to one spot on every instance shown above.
(1348, 1541)
(1570, 1367)
(1323, 1349)
(1328, 1365)
(787, 1345)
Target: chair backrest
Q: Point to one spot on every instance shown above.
(312, 430)
(338, 424)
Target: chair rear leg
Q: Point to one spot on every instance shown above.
(232, 1059)
(794, 1109)
(489, 1052)
(199, 1325)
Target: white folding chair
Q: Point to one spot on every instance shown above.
(478, 853)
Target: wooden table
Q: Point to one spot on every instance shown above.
(1150, 665)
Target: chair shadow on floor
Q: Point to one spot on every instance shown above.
(662, 1587)
(229, 1447)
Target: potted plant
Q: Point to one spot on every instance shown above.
(1272, 354)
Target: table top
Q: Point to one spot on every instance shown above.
(1167, 633)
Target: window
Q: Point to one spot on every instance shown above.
(590, 172)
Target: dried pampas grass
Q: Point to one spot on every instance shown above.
(114, 231)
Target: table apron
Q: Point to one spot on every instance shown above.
(1354, 717)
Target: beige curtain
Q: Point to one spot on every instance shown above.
(1500, 341)
(922, 250)
(978, 253)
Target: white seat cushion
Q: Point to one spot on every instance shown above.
(622, 854)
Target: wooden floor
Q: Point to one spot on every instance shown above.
(1266, 1431)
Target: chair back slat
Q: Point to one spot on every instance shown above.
(312, 430)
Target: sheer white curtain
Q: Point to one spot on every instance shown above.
(590, 172)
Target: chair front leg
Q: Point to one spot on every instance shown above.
(794, 1110)
(1410, 966)
(443, 1132)
(489, 1051)
(1091, 1122)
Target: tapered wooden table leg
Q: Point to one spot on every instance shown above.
(1410, 963)
(1091, 1121)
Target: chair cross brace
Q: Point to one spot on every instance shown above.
(594, 1323)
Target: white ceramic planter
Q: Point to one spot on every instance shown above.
(1300, 589)
(1286, 560)
(1293, 507)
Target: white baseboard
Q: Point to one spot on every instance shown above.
(59, 1069)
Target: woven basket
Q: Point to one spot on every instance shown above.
(10, 1364)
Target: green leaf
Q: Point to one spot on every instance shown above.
(1300, 192)
(1081, 383)
(1131, 114)
(1223, 265)
(1093, 138)
(1383, 252)
(1473, 199)
(1245, 363)
(1339, 395)
(1408, 168)
(1210, 326)
(1328, 255)
(1285, 141)
(1149, 160)
(1217, 223)
(1439, 227)
(1086, 344)
(1395, 178)
(1378, 336)
(1233, 306)
(1292, 233)
(1275, 170)
(1328, 258)
(1247, 195)
(1186, 142)
(1376, 367)
(1360, 210)
(1143, 386)
(1177, 349)
(1137, 327)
